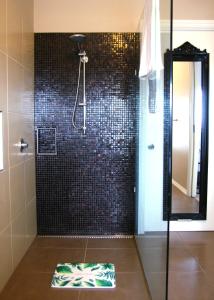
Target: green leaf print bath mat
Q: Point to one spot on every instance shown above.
(84, 275)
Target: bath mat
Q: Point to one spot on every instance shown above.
(84, 275)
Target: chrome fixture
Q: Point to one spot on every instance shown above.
(22, 145)
(78, 38)
(83, 59)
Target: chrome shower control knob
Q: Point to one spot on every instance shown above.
(84, 59)
(22, 145)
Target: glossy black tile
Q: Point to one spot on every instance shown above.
(88, 187)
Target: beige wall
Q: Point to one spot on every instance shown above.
(87, 15)
(109, 15)
(193, 9)
(17, 180)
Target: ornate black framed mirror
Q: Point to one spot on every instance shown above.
(186, 133)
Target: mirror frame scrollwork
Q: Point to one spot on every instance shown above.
(185, 52)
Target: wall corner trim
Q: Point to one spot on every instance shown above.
(188, 25)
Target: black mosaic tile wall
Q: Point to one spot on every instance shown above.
(88, 186)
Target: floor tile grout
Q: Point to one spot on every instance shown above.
(183, 272)
(61, 248)
(113, 248)
(85, 250)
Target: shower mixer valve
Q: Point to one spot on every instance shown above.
(84, 59)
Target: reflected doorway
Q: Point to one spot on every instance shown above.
(186, 136)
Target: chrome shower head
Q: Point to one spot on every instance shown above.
(78, 38)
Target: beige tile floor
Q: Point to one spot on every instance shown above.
(182, 203)
(31, 280)
(191, 267)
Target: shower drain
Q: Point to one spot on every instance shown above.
(88, 236)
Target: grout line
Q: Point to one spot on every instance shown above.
(134, 272)
(172, 272)
(51, 272)
(80, 248)
(55, 247)
(85, 250)
(115, 248)
(8, 149)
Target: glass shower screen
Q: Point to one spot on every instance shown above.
(151, 229)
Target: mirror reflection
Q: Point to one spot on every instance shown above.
(186, 136)
(186, 133)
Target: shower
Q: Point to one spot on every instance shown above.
(83, 59)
